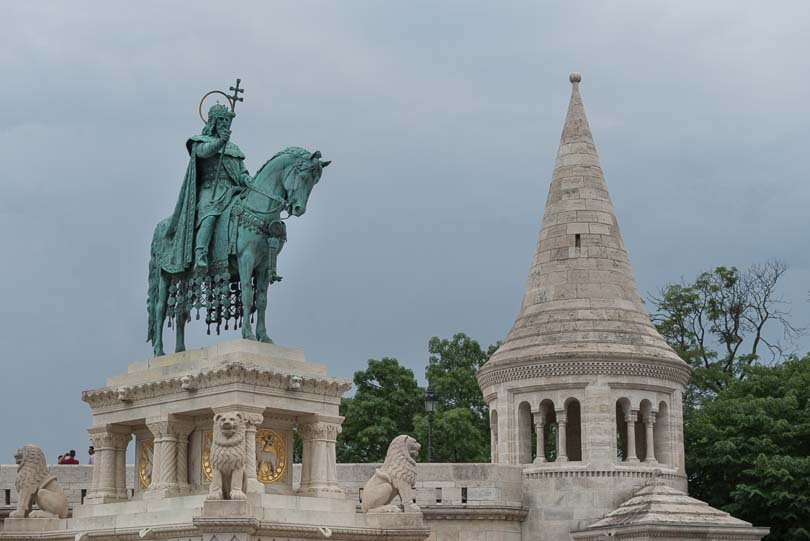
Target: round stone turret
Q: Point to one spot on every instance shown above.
(583, 381)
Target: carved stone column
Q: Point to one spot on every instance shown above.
(182, 430)
(109, 484)
(539, 430)
(252, 421)
(319, 464)
(120, 443)
(650, 423)
(163, 459)
(631, 419)
(562, 444)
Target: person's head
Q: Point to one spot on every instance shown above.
(72, 453)
(91, 450)
(219, 117)
(59, 458)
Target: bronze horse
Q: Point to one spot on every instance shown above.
(251, 238)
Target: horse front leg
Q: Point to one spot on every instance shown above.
(262, 284)
(247, 263)
(160, 314)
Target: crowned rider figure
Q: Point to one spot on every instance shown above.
(216, 173)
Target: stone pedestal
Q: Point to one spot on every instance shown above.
(169, 404)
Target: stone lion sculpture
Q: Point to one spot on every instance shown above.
(396, 476)
(35, 486)
(228, 481)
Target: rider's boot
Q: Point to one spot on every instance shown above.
(202, 241)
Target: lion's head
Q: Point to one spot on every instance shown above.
(31, 467)
(229, 429)
(399, 461)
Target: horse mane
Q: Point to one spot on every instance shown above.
(297, 153)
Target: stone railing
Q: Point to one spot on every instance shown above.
(437, 484)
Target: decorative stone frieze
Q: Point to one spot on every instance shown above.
(228, 373)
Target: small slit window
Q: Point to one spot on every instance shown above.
(463, 494)
(578, 240)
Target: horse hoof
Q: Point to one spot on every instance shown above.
(250, 336)
(159, 353)
(266, 340)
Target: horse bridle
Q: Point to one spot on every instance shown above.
(284, 204)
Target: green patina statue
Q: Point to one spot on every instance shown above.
(217, 252)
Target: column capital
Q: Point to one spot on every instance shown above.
(650, 420)
(321, 429)
(631, 417)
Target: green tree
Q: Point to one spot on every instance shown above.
(384, 405)
(461, 424)
(457, 437)
(722, 321)
(747, 449)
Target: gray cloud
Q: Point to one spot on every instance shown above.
(442, 121)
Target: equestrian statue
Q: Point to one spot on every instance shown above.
(217, 252)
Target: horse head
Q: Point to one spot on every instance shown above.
(298, 183)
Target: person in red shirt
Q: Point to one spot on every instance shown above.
(70, 458)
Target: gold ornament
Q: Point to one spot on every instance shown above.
(145, 458)
(207, 469)
(271, 456)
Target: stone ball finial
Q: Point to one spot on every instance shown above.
(575, 77)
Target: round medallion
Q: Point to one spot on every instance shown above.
(271, 455)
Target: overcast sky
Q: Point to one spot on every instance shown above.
(442, 121)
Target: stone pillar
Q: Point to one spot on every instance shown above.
(319, 465)
(164, 460)
(630, 419)
(95, 483)
(182, 431)
(252, 421)
(156, 427)
(562, 453)
(539, 430)
(170, 456)
(120, 444)
(109, 470)
(650, 423)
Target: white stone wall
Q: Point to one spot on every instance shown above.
(478, 502)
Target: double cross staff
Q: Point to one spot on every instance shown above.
(233, 99)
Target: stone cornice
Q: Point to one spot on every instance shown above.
(672, 531)
(565, 366)
(228, 373)
(249, 525)
(474, 512)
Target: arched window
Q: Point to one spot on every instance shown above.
(525, 430)
(549, 435)
(645, 418)
(573, 430)
(663, 436)
(493, 439)
(622, 444)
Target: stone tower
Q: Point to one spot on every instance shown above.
(583, 391)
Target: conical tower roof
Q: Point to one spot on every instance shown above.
(581, 300)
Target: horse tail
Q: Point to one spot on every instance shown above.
(154, 279)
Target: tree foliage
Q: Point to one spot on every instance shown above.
(746, 424)
(457, 436)
(461, 425)
(722, 321)
(747, 449)
(383, 407)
